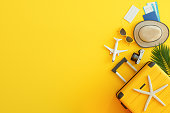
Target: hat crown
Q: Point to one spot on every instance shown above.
(150, 33)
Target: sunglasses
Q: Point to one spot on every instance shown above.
(128, 38)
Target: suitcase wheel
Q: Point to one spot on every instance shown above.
(123, 105)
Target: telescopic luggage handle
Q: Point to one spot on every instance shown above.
(119, 64)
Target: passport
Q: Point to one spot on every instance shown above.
(151, 16)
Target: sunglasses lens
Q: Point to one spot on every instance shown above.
(122, 32)
(129, 39)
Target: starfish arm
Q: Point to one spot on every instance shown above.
(156, 91)
(150, 84)
(147, 102)
(143, 92)
(158, 100)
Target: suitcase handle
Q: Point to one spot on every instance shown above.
(119, 64)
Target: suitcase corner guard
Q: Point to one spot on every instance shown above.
(120, 95)
(151, 64)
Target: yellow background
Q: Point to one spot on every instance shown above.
(52, 58)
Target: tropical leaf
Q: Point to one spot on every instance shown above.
(161, 56)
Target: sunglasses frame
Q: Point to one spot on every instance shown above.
(124, 34)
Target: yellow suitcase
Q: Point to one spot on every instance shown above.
(135, 101)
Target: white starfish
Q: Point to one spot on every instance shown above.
(151, 93)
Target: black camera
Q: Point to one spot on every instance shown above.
(137, 57)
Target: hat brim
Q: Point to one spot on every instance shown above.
(162, 39)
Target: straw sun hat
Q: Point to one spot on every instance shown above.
(150, 33)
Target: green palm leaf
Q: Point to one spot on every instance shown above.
(161, 56)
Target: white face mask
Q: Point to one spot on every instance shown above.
(131, 14)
